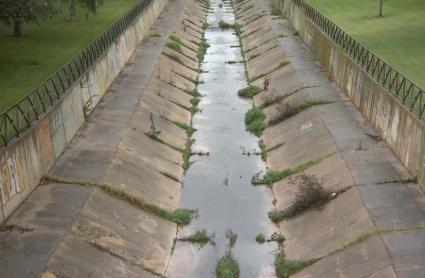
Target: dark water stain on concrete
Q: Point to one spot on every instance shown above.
(219, 185)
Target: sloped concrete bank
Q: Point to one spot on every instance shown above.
(110, 205)
(373, 222)
(401, 129)
(30, 156)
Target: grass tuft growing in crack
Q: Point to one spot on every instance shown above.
(179, 216)
(255, 120)
(263, 150)
(285, 268)
(156, 34)
(287, 110)
(273, 176)
(249, 91)
(200, 238)
(175, 38)
(227, 266)
(202, 50)
(174, 45)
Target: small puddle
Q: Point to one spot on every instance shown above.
(219, 185)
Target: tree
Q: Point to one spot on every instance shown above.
(90, 5)
(381, 8)
(18, 12)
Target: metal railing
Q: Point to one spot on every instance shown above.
(405, 90)
(22, 115)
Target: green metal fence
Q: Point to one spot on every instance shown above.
(401, 87)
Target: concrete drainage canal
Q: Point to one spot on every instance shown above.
(231, 233)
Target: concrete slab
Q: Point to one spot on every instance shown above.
(407, 250)
(392, 206)
(320, 232)
(165, 108)
(331, 172)
(125, 231)
(313, 144)
(266, 63)
(365, 259)
(48, 213)
(140, 178)
(77, 258)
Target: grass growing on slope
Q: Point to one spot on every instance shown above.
(398, 37)
(273, 176)
(255, 120)
(285, 268)
(26, 62)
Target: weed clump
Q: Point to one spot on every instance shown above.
(279, 238)
(156, 35)
(277, 215)
(249, 91)
(227, 267)
(225, 25)
(310, 194)
(255, 120)
(202, 50)
(260, 238)
(231, 237)
(174, 45)
(180, 216)
(273, 176)
(285, 268)
(175, 38)
(200, 238)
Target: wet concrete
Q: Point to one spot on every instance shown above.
(219, 185)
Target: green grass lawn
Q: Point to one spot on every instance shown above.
(398, 37)
(26, 62)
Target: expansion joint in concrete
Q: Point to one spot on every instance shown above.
(110, 252)
(118, 193)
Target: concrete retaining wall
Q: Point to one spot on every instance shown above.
(401, 129)
(24, 162)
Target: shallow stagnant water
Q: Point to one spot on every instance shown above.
(218, 185)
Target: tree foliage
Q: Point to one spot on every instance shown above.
(18, 12)
(90, 5)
